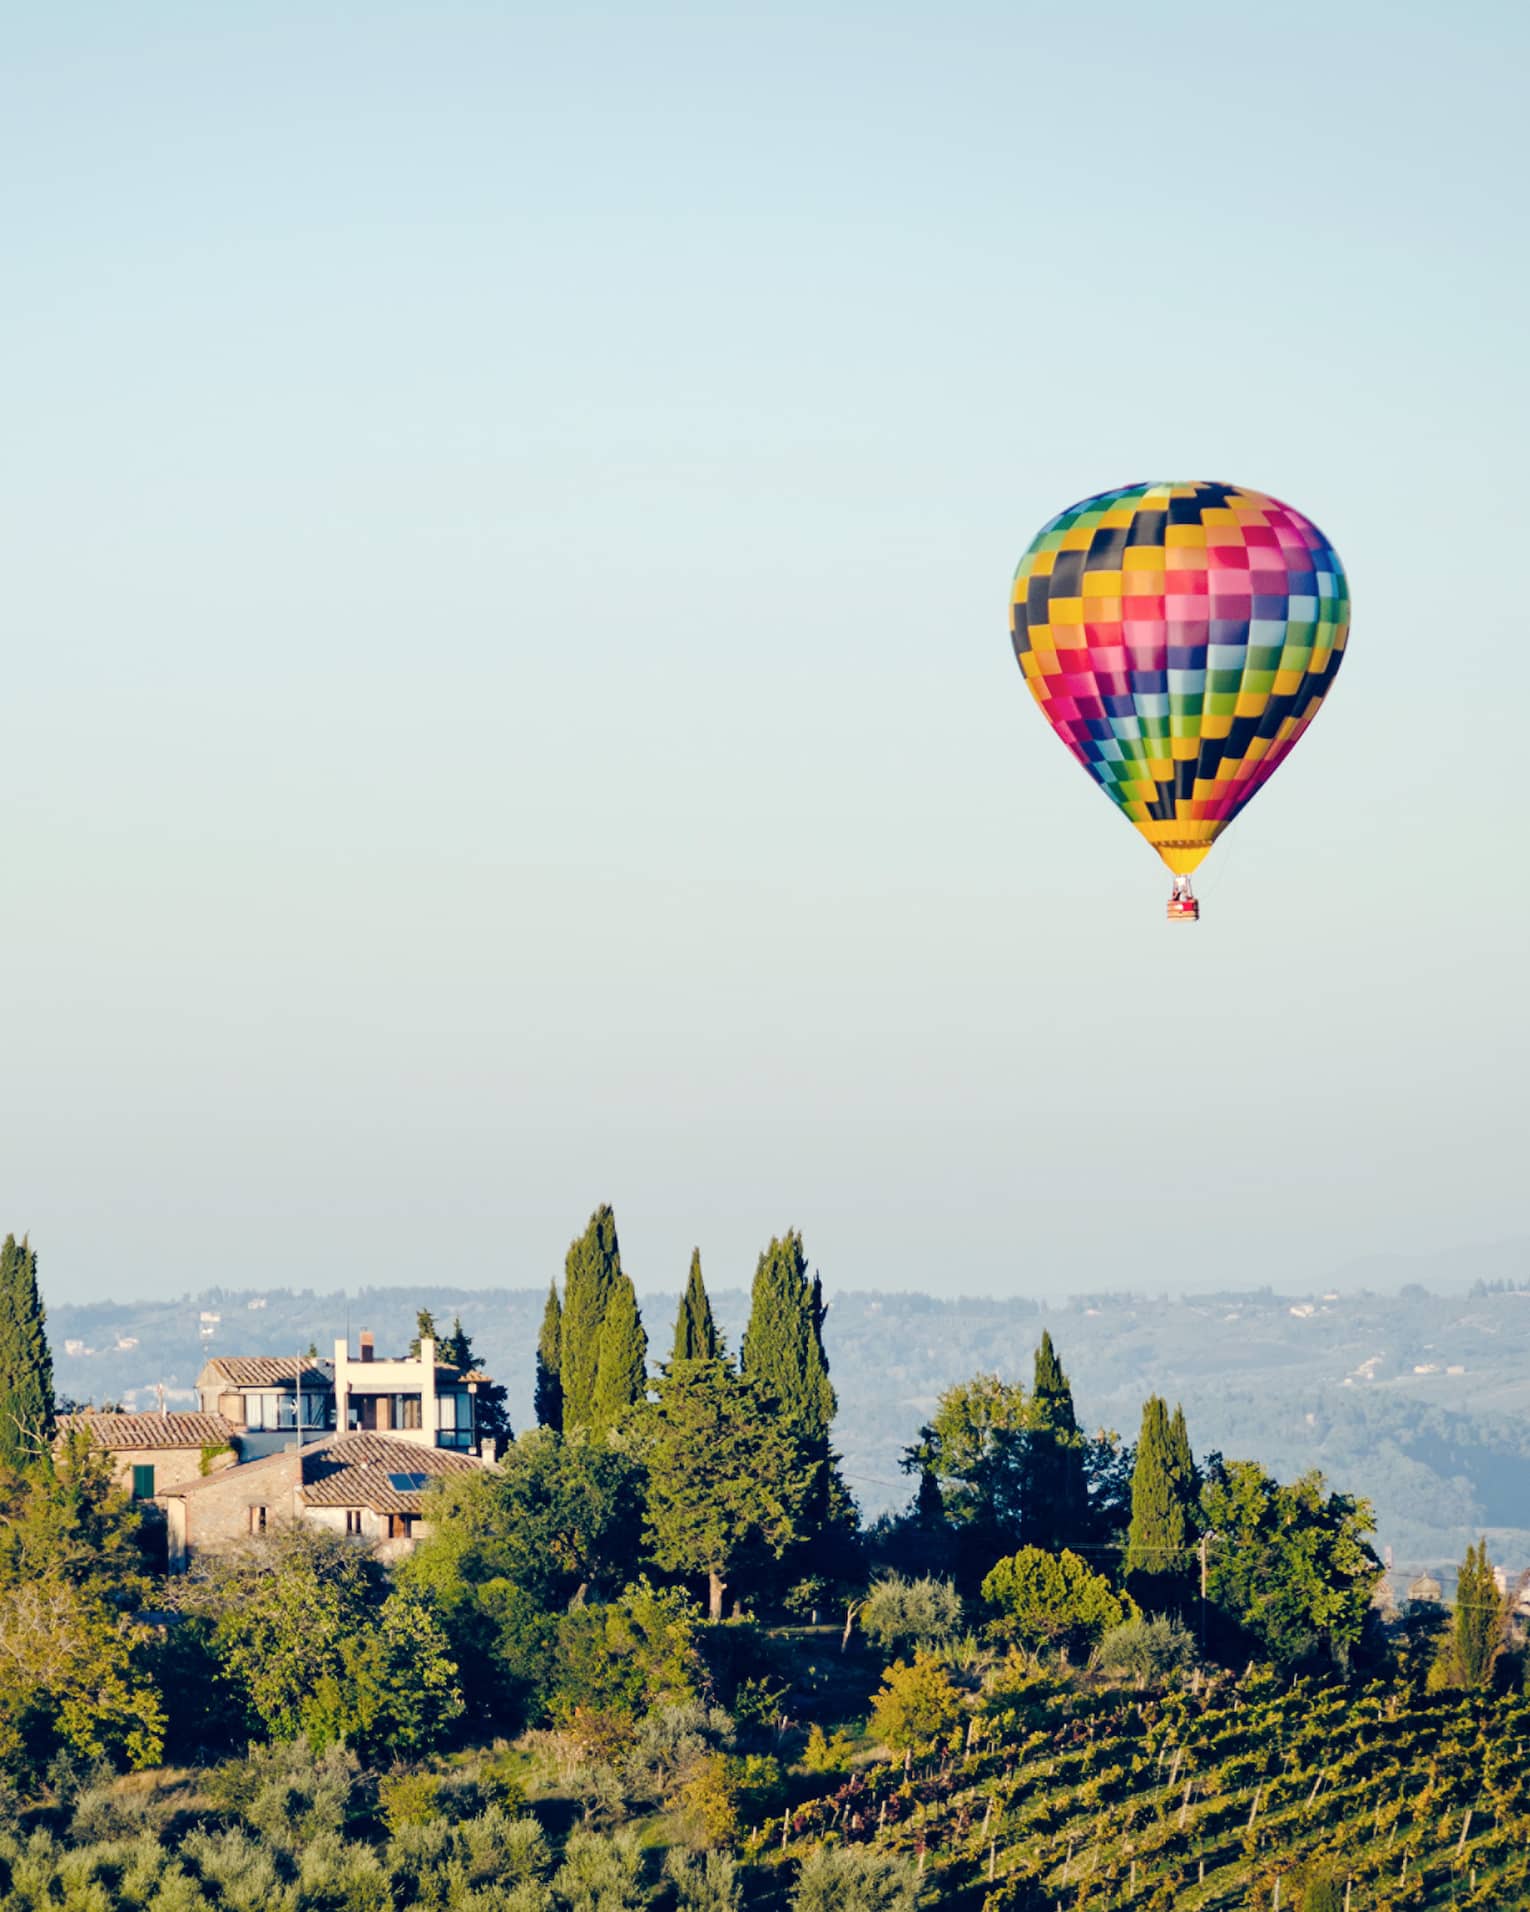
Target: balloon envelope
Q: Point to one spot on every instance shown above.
(1179, 639)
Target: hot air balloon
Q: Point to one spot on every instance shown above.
(1179, 639)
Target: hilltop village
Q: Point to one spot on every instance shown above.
(341, 1637)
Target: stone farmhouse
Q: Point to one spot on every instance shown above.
(369, 1486)
(152, 1452)
(347, 1444)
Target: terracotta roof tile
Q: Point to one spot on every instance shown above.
(264, 1370)
(125, 1431)
(356, 1470)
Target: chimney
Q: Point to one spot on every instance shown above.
(366, 1345)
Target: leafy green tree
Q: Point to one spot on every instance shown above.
(915, 1705)
(1480, 1622)
(1052, 1600)
(630, 1657)
(621, 1368)
(589, 1274)
(971, 1460)
(1109, 1463)
(1290, 1566)
(1054, 1506)
(397, 1692)
(26, 1364)
(898, 1612)
(783, 1344)
(67, 1519)
(1158, 1564)
(290, 1613)
(548, 1398)
(75, 1675)
(696, 1336)
(727, 1477)
(560, 1517)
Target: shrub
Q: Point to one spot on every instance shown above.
(705, 1884)
(915, 1705)
(855, 1879)
(601, 1872)
(825, 1754)
(1052, 1600)
(902, 1613)
(1146, 1651)
(408, 1799)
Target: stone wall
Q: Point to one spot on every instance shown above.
(224, 1509)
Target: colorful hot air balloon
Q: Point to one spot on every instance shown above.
(1179, 639)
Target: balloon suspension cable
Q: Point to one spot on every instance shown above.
(1183, 906)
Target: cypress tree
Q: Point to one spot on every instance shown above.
(26, 1364)
(1163, 1502)
(1479, 1625)
(1054, 1507)
(1183, 1459)
(696, 1337)
(783, 1343)
(548, 1397)
(589, 1275)
(457, 1349)
(621, 1373)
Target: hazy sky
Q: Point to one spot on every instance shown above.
(508, 700)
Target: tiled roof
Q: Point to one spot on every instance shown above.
(264, 1370)
(356, 1470)
(126, 1431)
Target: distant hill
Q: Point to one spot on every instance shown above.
(1419, 1400)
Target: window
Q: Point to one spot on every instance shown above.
(143, 1483)
(353, 1520)
(257, 1520)
(273, 1411)
(454, 1419)
(406, 1410)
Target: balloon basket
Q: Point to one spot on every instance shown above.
(1184, 909)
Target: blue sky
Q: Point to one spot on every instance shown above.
(508, 698)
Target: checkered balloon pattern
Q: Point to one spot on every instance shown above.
(1179, 639)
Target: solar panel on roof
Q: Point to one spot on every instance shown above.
(407, 1483)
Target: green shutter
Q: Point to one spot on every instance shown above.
(143, 1483)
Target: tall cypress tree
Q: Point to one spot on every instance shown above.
(696, 1337)
(1479, 1625)
(548, 1397)
(1054, 1506)
(783, 1360)
(783, 1343)
(589, 1275)
(1184, 1461)
(26, 1364)
(1162, 1529)
(621, 1373)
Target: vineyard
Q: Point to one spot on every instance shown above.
(1314, 1796)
